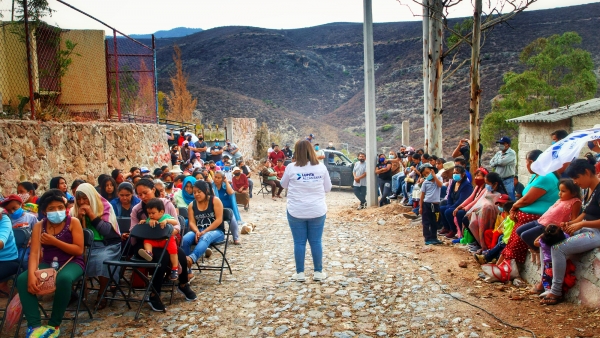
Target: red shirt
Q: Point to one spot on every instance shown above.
(274, 156)
(240, 181)
(279, 170)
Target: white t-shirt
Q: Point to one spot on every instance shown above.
(321, 152)
(306, 190)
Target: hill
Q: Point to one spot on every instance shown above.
(313, 77)
(171, 33)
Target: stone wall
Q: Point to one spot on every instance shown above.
(242, 132)
(37, 152)
(587, 290)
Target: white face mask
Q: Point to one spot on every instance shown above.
(391, 157)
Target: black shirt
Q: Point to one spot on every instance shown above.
(592, 206)
(216, 158)
(466, 153)
(201, 144)
(245, 170)
(387, 176)
(204, 218)
(287, 152)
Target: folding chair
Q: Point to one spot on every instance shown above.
(124, 224)
(183, 225)
(227, 216)
(88, 240)
(140, 232)
(265, 189)
(183, 212)
(22, 236)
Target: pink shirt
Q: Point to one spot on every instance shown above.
(558, 212)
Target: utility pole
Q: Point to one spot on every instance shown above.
(475, 88)
(370, 121)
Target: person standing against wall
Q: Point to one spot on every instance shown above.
(307, 181)
(504, 163)
(360, 180)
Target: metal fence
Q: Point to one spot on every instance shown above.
(51, 73)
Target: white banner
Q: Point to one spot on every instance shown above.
(564, 151)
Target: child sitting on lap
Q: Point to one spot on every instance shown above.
(157, 216)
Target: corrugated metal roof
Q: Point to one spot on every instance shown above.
(561, 113)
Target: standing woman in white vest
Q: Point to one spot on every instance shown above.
(307, 181)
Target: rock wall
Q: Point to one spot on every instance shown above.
(242, 132)
(587, 290)
(37, 152)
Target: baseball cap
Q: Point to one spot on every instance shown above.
(426, 165)
(144, 170)
(504, 139)
(312, 135)
(9, 199)
(448, 165)
(409, 148)
(503, 198)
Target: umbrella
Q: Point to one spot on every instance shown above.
(564, 150)
(194, 137)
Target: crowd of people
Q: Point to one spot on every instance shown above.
(491, 214)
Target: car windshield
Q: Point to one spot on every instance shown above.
(338, 159)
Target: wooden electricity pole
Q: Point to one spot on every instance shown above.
(475, 88)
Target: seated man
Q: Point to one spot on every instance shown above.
(287, 152)
(233, 151)
(225, 162)
(241, 187)
(216, 151)
(279, 169)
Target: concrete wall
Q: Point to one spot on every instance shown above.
(37, 152)
(242, 132)
(587, 290)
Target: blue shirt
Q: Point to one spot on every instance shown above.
(224, 197)
(9, 252)
(431, 192)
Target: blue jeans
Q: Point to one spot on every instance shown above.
(385, 189)
(203, 243)
(360, 193)
(250, 186)
(396, 181)
(509, 184)
(311, 230)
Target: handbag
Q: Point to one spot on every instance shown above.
(47, 279)
(503, 272)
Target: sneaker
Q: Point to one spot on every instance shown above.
(443, 231)
(450, 234)
(319, 276)
(410, 215)
(30, 330)
(174, 275)
(145, 255)
(436, 242)
(187, 292)
(456, 241)
(360, 207)
(45, 331)
(298, 277)
(480, 259)
(393, 197)
(156, 304)
(207, 253)
(474, 249)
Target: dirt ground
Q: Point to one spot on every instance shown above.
(382, 282)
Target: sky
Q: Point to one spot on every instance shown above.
(148, 16)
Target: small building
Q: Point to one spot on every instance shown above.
(535, 129)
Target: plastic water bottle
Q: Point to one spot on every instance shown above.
(55, 264)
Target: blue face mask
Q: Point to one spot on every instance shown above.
(489, 188)
(429, 177)
(17, 214)
(316, 147)
(216, 144)
(56, 217)
(501, 209)
(456, 177)
(591, 145)
(553, 142)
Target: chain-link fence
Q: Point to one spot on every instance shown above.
(52, 73)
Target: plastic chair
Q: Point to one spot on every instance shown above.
(140, 232)
(124, 224)
(22, 236)
(88, 240)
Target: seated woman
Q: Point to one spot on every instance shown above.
(458, 192)
(185, 196)
(19, 218)
(240, 185)
(108, 189)
(9, 256)
(206, 224)
(246, 171)
(584, 230)
(61, 184)
(483, 215)
(60, 236)
(160, 187)
(74, 186)
(126, 200)
(223, 190)
(467, 204)
(96, 213)
(146, 191)
(270, 178)
(27, 192)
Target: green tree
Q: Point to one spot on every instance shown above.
(161, 105)
(557, 74)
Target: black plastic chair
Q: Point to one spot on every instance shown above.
(88, 240)
(139, 232)
(227, 217)
(183, 225)
(22, 236)
(265, 189)
(183, 212)
(124, 224)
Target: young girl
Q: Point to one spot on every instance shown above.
(565, 209)
(157, 216)
(552, 235)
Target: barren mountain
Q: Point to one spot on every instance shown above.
(312, 78)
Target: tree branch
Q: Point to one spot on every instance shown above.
(446, 77)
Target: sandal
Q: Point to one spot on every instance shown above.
(101, 304)
(190, 262)
(536, 290)
(551, 299)
(237, 242)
